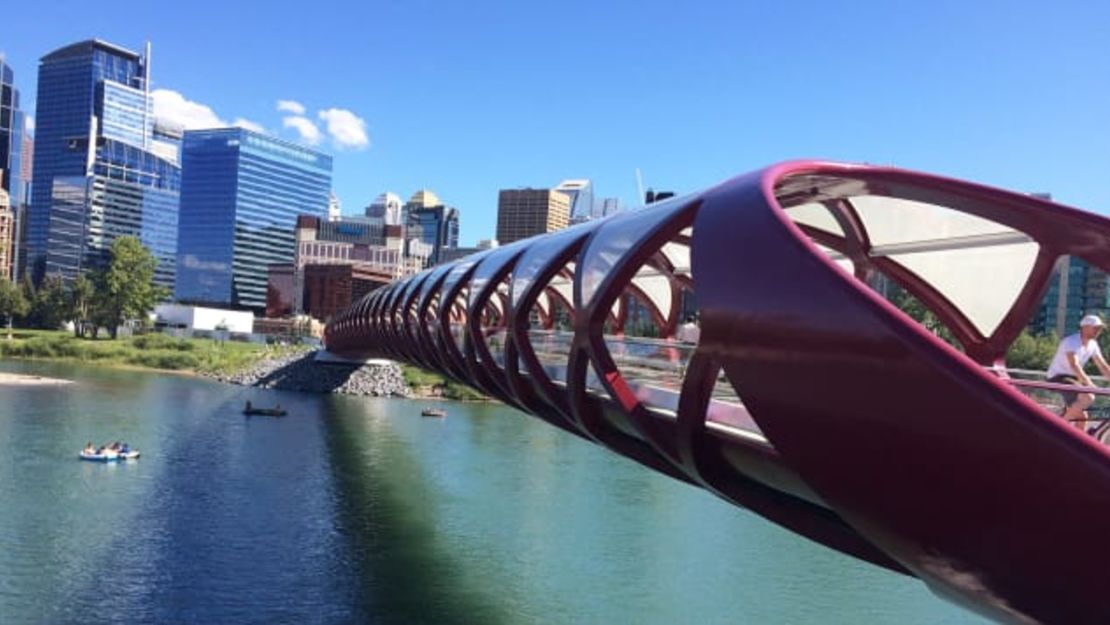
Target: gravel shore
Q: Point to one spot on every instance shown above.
(16, 379)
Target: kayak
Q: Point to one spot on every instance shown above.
(108, 456)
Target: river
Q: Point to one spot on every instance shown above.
(358, 510)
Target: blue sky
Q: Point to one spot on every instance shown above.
(466, 98)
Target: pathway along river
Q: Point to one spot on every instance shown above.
(359, 510)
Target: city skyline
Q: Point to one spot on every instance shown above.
(689, 98)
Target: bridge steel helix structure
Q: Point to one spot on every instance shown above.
(809, 397)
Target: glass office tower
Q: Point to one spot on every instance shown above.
(96, 175)
(581, 194)
(15, 169)
(11, 136)
(1076, 289)
(240, 197)
(438, 226)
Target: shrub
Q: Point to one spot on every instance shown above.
(462, 392)
(162, 341)
(163, 359)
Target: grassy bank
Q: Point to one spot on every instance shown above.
(426, 382)
(150, 351)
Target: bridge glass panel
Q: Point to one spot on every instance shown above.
(895, 221)
(815, 215)
(979, 265)
(678, 254)
(982, 282)
(541, 252)
(617, 236)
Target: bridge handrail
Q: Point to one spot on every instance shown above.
(1043, 384)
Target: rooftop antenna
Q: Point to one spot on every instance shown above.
(639, 185)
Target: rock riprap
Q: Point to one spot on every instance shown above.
(301, 372)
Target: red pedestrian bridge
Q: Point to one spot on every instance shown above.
(805, 395)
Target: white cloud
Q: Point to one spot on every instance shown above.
(242, 122)
(291, 106)
(175, 108)
(347, 130)
(308, 131)
(29, 123)
(170, 106)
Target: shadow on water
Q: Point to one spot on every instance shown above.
(405, 573)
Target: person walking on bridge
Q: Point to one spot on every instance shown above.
(1067, 368)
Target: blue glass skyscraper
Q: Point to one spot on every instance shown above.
(11, 135)
(96, 174)
(438, 226)
(14, 169)
(240, 197)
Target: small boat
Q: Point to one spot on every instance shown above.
(108, 455)
(253, 411)
(433, 412)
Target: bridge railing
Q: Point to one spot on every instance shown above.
(1035, 385)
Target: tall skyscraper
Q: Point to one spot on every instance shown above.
(7, 234)
(11, 136)
(608, 206)
(240, 197)
(438, 227)
(388, 208)
(15, 163)
(430, 222)
(581, 194)
(522, 213)
(1076, 289)
(97, 175)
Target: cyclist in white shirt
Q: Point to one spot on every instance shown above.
(1067, 368)
(689, 332)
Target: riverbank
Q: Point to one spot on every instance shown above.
(149, 351)
(290, 368)
(382, 378)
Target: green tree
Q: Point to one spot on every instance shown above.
(127, 290)
(48, 308)
(27, 289)
(79, 307)
(1032, 352)
(12, 302)
(913, 307)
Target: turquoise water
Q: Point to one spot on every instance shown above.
(359, 510)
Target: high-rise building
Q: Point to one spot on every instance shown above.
(388, 208)
(373, 253)
(522, 213)
(98, 174)
(581, 194)
(7, 234)
(608, 206)
(15, 161)
(1075, 289)
(240, 196)
(12, 126)
(166, 140)
(652, 196)
(438, 227)
(430, 225)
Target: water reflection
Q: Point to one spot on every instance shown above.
(355, 510)
(387, 514)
